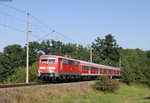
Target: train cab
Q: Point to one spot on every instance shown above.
(58, 67)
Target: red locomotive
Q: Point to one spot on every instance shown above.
(53, 67)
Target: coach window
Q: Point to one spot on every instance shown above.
(70, 62)
(96, 69)
(82, 67)
(73, 63)
(86, 68)
(76, 63)
(65, 61)
(105, 70)
(100, 69)
(92, 69)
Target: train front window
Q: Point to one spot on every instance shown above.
(44, 60)
(51, 60)
(47, 59)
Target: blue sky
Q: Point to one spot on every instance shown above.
(81, 21)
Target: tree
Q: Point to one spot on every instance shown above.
(82, 53)
(19, 76)
(128, 76)
(107, 49)
(14, 57)
(148, 54)
(70, 49)
(145, 77)
(15, 54)
(2, 68)
(34, 52)
(57, 47)
(98, 47)
(135, 65)
(45, 47)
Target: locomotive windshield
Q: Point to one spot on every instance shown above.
(48, 59)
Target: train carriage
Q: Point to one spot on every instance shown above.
(92, 70)
(53, 67)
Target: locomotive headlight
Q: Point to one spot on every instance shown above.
(51, 67)
(42, 67)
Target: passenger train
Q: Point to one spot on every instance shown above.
(59, 68)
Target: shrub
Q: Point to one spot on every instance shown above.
(20, 75)
(106, 85)
(128, 76)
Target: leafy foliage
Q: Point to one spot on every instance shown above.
(105, 84)
(10, 60)
(2, 67)
(135, 63)
(127, 76)
(20, 75)
(34, 52)
(145, 77)
(107, 49)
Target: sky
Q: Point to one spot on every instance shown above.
(77, 21)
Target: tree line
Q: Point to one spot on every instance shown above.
(134, 62)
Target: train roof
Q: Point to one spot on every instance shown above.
(64, 57)
(98, 65)
(85, 62)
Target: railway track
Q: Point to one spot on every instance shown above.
(19, 85)
(2, 86)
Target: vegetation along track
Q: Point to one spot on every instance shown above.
(19, 85)
(34, 84)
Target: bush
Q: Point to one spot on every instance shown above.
(20, 75)
(106, 85)
(128, 76)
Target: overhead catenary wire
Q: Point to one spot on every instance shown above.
(3, 13)
(45, 36)
(41, 22)
(64, 36)
(10, 27)
(20, 20)
(22, 11)
(18, 30)
(27, 13)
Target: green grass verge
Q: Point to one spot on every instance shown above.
(75, 94)
(126, 94)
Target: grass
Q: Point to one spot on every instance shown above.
(127, 94)
(77, 93)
